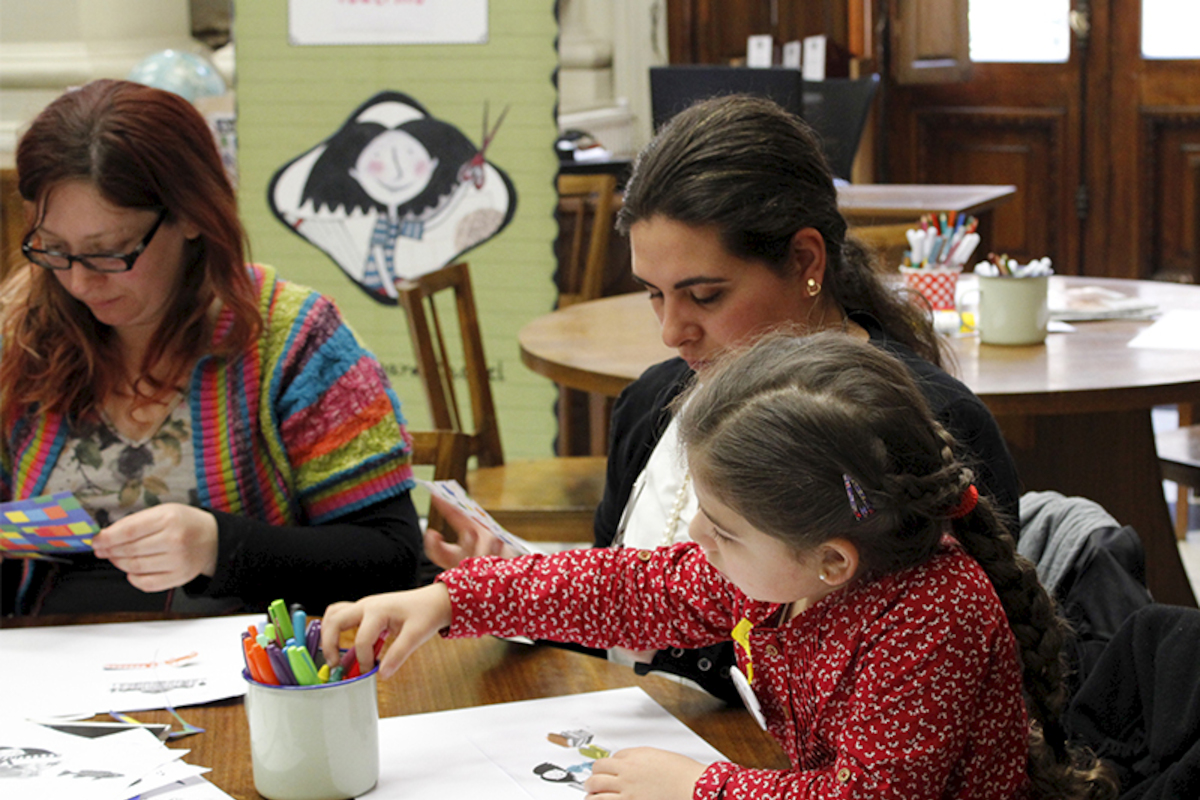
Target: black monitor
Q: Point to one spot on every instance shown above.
(674, 88)
(836, 108)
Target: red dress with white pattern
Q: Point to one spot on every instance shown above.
(903, 687)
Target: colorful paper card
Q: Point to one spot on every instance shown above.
(452, 492)
(41, 527)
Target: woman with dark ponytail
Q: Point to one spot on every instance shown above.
(886, 633)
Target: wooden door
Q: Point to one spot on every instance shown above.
(1104, 148)
(715, 31)
(1152, 130)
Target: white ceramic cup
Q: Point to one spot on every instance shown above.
(1012, 310)
(314, 742)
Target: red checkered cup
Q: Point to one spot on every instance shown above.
(936, 285)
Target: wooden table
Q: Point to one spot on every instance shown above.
(463, 673)
(875, 203)
(1075, 411)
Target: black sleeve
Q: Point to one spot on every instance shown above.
(375, 549)
(639, 417)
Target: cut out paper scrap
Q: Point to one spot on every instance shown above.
(452, 492)
(394, 194)
(53, 524)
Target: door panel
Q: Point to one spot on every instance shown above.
(1104, 150)
(1171, 164)
(1154, 132)
(1018, 146)
(1010, 124)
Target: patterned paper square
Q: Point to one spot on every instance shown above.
(54, 523)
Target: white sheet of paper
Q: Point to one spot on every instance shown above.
(37, 763)
(167, 776)
(791, 54)
(62, 669)
(1083, 303)
(813, 68)
(491, 751)
(759, 50)
(1178, 329)
(188, 789)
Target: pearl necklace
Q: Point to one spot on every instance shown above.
(676, 510)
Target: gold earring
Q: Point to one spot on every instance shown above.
(813, 287)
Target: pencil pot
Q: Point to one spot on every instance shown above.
(1013, 311)
(317, 742)
(936, 284)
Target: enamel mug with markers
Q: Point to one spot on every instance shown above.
(1013, 311)
(317, 742)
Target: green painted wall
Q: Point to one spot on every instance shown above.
(290, 98)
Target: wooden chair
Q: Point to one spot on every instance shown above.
(590, 203)
(890, 241)
(550, 499)
(446, 452)
(1179, 458)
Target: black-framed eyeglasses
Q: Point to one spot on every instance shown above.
(97, 262)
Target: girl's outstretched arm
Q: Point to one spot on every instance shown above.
(413, 617)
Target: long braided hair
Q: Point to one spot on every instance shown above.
(772, 432)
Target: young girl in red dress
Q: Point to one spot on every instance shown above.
(887, 635)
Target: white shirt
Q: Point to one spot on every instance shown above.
(662, 502)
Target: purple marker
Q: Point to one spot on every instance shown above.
(313, 640)
(279, 663)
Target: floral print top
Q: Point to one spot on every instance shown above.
(113, 476)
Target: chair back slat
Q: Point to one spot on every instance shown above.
(584, 197)
(436, 364)
(446, 451)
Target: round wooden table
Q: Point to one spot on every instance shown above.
(1075, 410)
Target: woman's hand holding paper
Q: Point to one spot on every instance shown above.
(161, 547)
(474, 539)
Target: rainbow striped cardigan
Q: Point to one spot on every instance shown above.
(302, 428)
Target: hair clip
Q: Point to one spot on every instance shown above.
(966, 503)
(858, 498)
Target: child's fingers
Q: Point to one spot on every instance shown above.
(369, 628)
(337, 618)
(427, 610)
(408, 640)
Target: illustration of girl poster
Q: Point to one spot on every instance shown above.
(394, 194)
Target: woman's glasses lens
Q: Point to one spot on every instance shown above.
(99, 262)
(52, 260)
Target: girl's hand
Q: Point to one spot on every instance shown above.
(413, 616)
(473, 539)
(643, 773)
(161, 547)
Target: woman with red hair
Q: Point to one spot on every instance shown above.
(225, 428)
